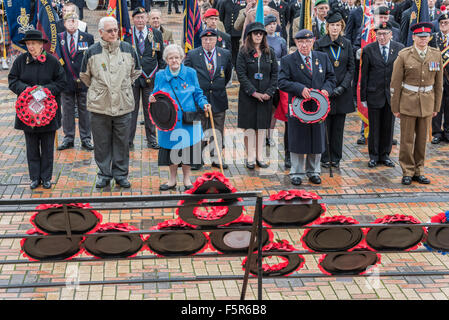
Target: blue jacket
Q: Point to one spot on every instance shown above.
(188, 92)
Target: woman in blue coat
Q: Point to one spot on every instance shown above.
(181, 83)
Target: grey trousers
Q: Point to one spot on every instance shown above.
(69, 101)
(150, 128)
(111, 149)
(305, 165)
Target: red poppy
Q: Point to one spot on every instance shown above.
(256, 55)
(220, 38)
(42, 58)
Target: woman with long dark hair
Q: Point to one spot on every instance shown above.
(257, 71)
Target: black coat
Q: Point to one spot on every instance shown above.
(283, 10)
(72, 67)
(253, 114)
(376, 74)
(215, 89)
(224, 40)
(149, 60)
(354, 24)
(229, 11)
(49, 74)
(293, 78)
(344, 72)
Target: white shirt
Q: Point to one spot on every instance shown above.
(137, 34)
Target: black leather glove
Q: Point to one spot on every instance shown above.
(337, 91)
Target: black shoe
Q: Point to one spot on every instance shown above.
(296, 181)
(165, 187)
(142, 122)
(102, 183)
(335, 164)
(372, 163)
(436, 140)
(216, 165)
(196, 167)
(87, 145)
(178, 12)
(131, 146)
(406, 180)
(287, 162)
(262, 164)
(153, 145)
(421, 179)
(169, 12)
(389, 163)
(250, 165)
(46, 184)
(394, 142)
(66, 145)
(124, 183)
(361, 140)
(34, 184)
(315, 179)
(325, 164)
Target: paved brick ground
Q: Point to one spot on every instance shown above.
(74, 175)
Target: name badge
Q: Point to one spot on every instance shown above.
(82, 46)
(156, 46)
(258, 76)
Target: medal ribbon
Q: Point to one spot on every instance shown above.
(336, 56)
(445, 59)
(210, 61)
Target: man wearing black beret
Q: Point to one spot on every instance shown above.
(377, 65)
(302, 71)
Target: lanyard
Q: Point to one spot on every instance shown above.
(209, 60)
(336, 56)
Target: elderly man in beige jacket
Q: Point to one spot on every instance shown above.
(109, 69)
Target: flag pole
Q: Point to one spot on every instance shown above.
(3, 30)
(121, 21)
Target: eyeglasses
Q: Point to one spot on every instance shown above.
(444, 23)
(258, 33)
(383, 34)
(110, 31)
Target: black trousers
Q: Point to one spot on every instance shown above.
(442, 118)
(40, 150)
(335, 124)
(175, 4)
(380, 138)
(150, 129)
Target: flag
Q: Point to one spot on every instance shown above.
(192, 25)
(46, 23)
(112, 8)
(122, 16)
(419, 13)
(259, 12)
(305, 22)
(368, 36)
(19, 21)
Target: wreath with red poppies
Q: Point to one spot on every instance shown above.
(31, 118)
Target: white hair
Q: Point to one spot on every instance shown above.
(104, 20)
(159, 12)
(173, 48)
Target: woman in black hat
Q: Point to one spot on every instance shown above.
(257, 71)
(339, 50)
(38, 67)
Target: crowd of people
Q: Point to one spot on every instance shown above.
(105, 84)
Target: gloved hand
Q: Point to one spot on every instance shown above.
(338, 91)
(358, 54)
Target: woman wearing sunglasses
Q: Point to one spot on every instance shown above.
(257, 71)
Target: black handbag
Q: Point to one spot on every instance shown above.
(188, 117)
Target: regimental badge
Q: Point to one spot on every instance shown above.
(62, 42)
(316, 62)
(302, 67)
(150, 35)
(24, 21)
(156, 46)
(413, 15)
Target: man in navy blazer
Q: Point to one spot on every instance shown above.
(149, 45)
(301, 72)
(213, 66)
(73, 45)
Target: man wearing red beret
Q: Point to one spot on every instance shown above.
(211, 18)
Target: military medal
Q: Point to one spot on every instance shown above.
(336, 56)
(222, 72)
(316, 62)
(302, 67)
(209, 66)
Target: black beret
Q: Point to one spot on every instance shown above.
(139, 10)
(384, 26)
(443, 17)
(333, 16)
(208, 33)
(383, 10)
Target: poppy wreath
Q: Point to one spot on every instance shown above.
(50, 218)
(106, 245)
(166, 244)
(291, 262)
(398, 238)
(175, 116)
(438, 236)
(236, 241)
(210, 183)
(30, 118)
(332, 239)
(351, 262)
(284, 213)
(320, 114)
(47, 247)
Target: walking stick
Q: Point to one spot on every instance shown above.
(328, 151)
(211, 118)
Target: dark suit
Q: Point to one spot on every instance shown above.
(354, 24)
(283, 11)
(442, 118)
(224, 40)
(75, 93)
(375, 90)
(229, 11)
(150, 59)
(293, 78)
(214, 89)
